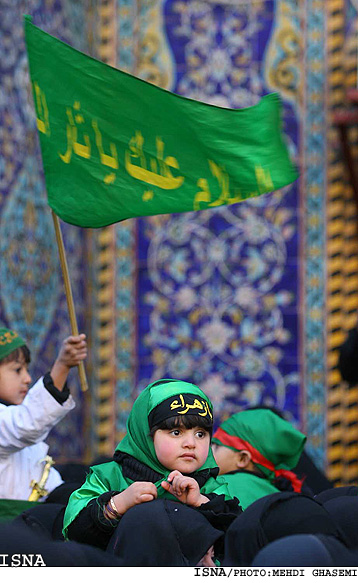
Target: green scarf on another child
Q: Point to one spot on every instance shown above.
(275, 447)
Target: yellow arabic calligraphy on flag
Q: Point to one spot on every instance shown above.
(116, 147)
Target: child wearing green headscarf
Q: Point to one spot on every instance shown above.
(166, 455)
(256, 450)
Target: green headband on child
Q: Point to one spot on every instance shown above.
(9, 341)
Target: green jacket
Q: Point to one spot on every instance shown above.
(248, 487)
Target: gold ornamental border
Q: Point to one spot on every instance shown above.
(101, 263)
(342, 254)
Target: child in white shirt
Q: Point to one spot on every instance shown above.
(27, 415)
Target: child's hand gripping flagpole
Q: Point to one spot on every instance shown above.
(68, 290)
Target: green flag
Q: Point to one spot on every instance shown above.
(115, 147)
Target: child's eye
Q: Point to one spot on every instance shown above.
(175, 431)
(201, 434)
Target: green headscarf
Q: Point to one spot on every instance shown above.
(138, 444)
(275, 445)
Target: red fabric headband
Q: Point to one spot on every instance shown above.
(257, 457)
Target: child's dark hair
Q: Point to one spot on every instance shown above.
(187, 421)
(21, 353)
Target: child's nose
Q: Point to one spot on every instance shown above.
(189, 441)
(27, 377)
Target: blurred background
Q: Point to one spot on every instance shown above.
(252, 301)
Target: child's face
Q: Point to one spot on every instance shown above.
(14, 381)
(225, 458)
(182, 449)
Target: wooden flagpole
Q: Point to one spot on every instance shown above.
(68, 290)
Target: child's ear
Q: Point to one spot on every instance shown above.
(243, 459)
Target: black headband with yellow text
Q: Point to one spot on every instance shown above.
(179, 405)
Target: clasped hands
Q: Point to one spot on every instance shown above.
(184, 488)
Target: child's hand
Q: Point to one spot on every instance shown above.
(72, 352)
(184, 488)
(136, 493)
